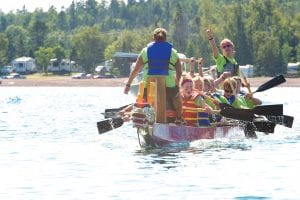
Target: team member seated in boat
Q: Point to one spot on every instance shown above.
(225, 62)
(229, 96)
(198, 85)
(192, 102)
(207, 86)
(159, 58)
(246, 99)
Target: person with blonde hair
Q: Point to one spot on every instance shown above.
(225, 61)
(230, 93)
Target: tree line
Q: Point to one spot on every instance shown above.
(266, 33)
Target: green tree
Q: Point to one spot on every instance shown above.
(38, 30)
(89, 45)
(3, 22)
(72, 16)
(18, 41)
(267, 55)
(236, 30)
(62, 22)
(180, 31)
(57, 38)
(3, 49)
(91, 12)
(59, 53)
(43, 56)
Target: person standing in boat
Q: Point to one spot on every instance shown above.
(225, 62)
(159, 58)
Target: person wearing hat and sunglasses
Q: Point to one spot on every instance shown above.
(225, 61)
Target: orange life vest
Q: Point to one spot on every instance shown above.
(192, 116)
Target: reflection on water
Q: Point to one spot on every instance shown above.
(50, 149)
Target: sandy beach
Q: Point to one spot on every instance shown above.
(111, 82)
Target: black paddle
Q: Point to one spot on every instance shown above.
(109, 124)
(112, 119)
(265, 126)
(236, 113)
(274, 109)
(248, 114)
(270, 84)
(275, 116)
(283, 120)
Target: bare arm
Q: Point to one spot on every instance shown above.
(256, 101)
(212, 43)
(222, 78)
(192, 67)
(178, 71)
(200, 66)
(138, 66)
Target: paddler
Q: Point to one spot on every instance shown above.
(159, 58)
(225, 61)
(195, 111)
(246, 99)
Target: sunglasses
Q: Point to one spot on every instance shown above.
(228, 91)
(226, 46)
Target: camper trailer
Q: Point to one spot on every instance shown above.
(24, 65)
(64, 66)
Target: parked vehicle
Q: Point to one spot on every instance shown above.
(5, 70)
(79, 76)
(89, 76)
(15, 76)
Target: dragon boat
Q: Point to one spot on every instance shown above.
(153, 128)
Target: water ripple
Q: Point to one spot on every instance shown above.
(50, 149)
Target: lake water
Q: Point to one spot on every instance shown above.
(50, 149)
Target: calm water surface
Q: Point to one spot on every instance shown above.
(50, 149)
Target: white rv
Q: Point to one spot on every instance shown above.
(24, 65)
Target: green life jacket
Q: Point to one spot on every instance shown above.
(229, 67)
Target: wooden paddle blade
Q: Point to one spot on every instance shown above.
(265, 126)
(237, 113)
(109, 124)
(275, 109)
(271, 83)
(284, 120)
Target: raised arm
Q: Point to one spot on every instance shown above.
(200, 66)
(212, 43)
(192, 67)
(178, 71)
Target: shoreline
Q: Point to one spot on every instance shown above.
(110, 82)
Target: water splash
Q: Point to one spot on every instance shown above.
(14, 100)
